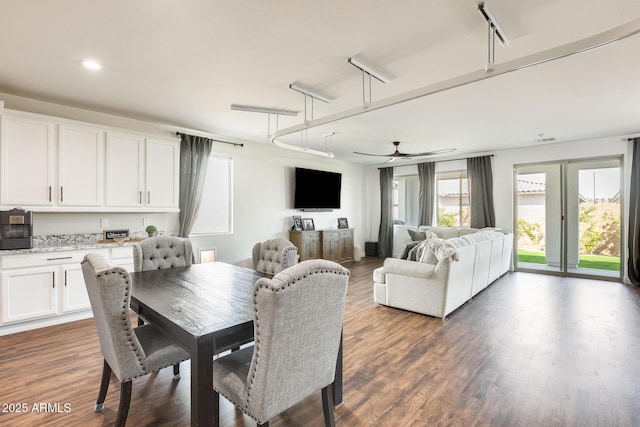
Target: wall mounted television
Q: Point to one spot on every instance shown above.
(316, 190)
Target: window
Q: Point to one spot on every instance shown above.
(216, 213)
(406, 195)
(453, 199)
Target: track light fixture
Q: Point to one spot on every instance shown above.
(253, 109)
(493, 23)
(308, 92)
(366, 69)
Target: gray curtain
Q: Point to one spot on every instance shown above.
(634, 216)
(426, 176)
(481, 192)
(385, 235)
(194, 159)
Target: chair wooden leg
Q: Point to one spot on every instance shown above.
(104, 386)
(327, 406)
(176, 371)
(216, 409)
(125, 400)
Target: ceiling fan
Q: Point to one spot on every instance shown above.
(397, 154)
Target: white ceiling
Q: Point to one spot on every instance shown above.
(184, 62)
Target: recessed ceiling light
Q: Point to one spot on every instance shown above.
(91, 64)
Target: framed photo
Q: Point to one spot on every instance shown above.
(297, 222)
(343, 223)
(307, 223)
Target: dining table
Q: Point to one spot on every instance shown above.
(208, 309)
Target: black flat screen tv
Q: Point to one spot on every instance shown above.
(316, 189)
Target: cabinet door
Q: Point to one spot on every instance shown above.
(74, 291)
(346, 245)
(124, 169)
(311, 243)
(27, 159)
(331, 245)
(28, 293)
(80, 163)
(162, 165)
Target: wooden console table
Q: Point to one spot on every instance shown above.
(332, 244)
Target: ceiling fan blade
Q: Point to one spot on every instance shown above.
(429, 153)
(377, 155)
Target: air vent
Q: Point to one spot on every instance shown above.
(541, 140)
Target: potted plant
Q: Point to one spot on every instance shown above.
(151, 230)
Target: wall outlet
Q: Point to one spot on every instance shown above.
(104, 222)
(145, 222)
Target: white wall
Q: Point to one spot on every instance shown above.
(262, 193)
(263, 199)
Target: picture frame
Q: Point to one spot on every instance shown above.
(343, 223)
(297, 223)
(307, 224)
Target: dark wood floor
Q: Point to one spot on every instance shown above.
(530, 350)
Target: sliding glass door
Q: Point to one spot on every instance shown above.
(568, 216)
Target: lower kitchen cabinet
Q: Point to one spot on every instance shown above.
(28, 293)
(42, 289)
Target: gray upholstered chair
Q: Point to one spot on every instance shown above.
(159, 252)
(155, 253)
(127, 352)
(274, 255)
(297, 328)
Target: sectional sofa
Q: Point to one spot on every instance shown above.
(444, 270)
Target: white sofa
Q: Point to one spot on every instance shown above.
(449, 271)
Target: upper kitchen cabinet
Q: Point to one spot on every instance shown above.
(142, 172)
(162, 180)
(49, 164)
(80, 165)
(27, 161)
(124, 165)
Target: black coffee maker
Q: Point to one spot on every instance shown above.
(16, 229)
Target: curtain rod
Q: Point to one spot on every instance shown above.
(446, 160)
(235, 144)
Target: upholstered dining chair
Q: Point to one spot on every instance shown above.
(159, 252)
(128, 353)
(297, 328)
(274, 255)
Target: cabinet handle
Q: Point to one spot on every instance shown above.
(62, 257)
(65, 278)
(140, 197)
(148, 197)
(53, 276)
(49, 193)
(61, 194)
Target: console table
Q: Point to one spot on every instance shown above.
(332, 244)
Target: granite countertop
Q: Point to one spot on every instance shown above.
(70, 242)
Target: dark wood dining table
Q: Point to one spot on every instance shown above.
(208, 309)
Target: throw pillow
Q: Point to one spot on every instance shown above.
(417, 236)
(407, 248)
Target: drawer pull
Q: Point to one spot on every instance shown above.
(58, 258)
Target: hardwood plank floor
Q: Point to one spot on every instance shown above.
(530, 350)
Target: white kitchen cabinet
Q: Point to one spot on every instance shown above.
(124, 169)
(162, 163)
(28, 293)
(42, 289)
(142, 172)
(74, 291)
(80, 165)
(27, 147)
(50, 164)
